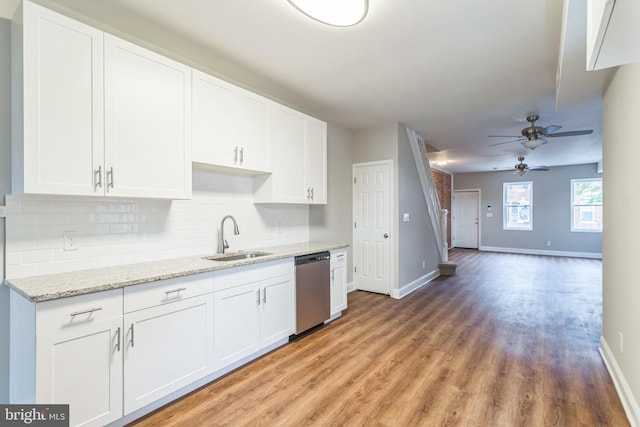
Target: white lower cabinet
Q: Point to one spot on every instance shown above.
(338, 267)
(255, 310)
(110, 354)
(69, 352)
(166, 348)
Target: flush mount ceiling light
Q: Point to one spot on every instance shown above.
(339, 13)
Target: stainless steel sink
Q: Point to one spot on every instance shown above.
(235, 256)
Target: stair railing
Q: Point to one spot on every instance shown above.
(436, 214)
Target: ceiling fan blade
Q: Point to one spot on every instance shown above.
(539, 168)
(505, 142)
(571, 133)
(504, 136)
(552, 128)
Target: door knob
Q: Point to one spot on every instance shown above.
(386, 236)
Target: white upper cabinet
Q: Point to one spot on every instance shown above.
(147, 123)
(58, 129)
(613, 33)
(95, 115)
(299, 160)
(230, 125)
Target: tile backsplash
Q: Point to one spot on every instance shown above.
(109, 232)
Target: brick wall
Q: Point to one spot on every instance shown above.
(442, 181)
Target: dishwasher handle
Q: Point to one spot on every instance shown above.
(306, 259)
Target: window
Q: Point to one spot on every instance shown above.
(518, 205)
(586, 204)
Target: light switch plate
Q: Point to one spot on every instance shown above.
(405, 217)
(3, 211)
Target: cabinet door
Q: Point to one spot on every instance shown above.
(147, 123)
(276, 316)
(82, 366)
(338, 281)
(214, 122)
(316, 160)
(166, 348)
(237, 324)
(252, 132)
(287, 135)
(63, 104)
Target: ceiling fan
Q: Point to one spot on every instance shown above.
(532, 136)
(522, 168)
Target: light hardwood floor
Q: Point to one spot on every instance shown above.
(511, 340)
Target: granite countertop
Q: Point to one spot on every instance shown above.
(63, 285)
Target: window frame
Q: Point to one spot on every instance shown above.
(573, 205)
(505, 206)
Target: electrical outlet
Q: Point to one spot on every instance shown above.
(621, 342)
(548, 244)
(69, 242)
(424, 264)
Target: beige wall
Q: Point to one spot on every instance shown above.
(621, 240)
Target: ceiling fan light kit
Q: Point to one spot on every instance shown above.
(338, 13)
(534, 136)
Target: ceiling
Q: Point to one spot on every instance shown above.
(455, 72)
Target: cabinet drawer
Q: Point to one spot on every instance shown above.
(161, 292)
(338, 257)
(61, 314)
(232, 277)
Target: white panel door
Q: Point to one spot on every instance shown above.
(166, 348)
(276, 315)
(372, 227)
(236, 324)
(147, 123)
(464, 219)
(82, 366)
(63, 104)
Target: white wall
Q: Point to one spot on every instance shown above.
(5, 188)
(621, 243)
(113, 232)
(551, 211)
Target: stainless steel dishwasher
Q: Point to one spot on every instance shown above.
(313, 286)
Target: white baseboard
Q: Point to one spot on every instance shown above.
(416, 284)
(594, 255)
(351, 286)
(629, 402)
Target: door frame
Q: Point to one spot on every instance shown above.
(468, 190)
(393, 223)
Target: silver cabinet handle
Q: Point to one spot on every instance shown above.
(311, 193)
(258, 299)
(333, 275)
(235, 155)
(91, 310)
(173, 291)
(264, 295)
(308, 193)
(97, 174)
(241, 155)
(131, 335)
(110, 178)
(118, 339)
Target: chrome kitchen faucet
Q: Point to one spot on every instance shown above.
(223, 243)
